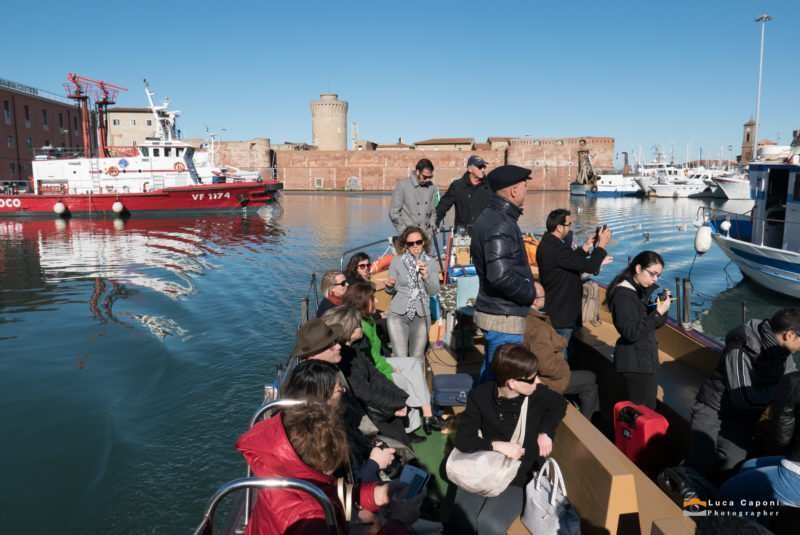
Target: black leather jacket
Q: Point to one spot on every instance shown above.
(785, 411)
(506, 281)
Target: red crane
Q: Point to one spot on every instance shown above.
(105, 94)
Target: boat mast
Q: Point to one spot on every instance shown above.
(763, 19)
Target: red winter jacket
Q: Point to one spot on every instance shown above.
(270, 454)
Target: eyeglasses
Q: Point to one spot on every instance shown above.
(412, 243)
(340, 388)
(426, 177)
(528, 381)
(655, 274)
(365, 265)
(566, 224)
(342, 284)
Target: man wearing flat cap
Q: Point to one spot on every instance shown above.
(506, 290)
(470, 194)
(315, 340)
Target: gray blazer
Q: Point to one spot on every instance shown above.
(413, 204)
(402, 287)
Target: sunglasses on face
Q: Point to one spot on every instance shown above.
(343, 283)
(426, 177)
(412, 243)
(528, 381)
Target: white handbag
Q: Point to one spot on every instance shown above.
(547, 509)
(487, 473)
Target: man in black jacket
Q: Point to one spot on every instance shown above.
(561, 268)
(506, 290)
(470, 194)
(731, 401)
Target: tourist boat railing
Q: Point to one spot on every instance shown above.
(206, 527)
(269, 406)
(363, 247)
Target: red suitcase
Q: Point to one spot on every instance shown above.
(638, 431)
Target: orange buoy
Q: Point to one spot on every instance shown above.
(112, 171)
(179, 167)
(381, 264)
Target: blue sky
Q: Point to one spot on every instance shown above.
(644, 72)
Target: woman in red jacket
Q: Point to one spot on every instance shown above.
(309, 443)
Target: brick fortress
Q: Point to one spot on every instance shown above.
(554, 163)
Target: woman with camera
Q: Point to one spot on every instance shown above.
(636, 319)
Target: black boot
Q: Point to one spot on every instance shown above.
(432, 423)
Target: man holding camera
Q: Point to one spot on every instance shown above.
(470, 194)
(561, 269)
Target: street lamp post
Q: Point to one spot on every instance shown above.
(763, 19)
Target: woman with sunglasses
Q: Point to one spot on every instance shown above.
(487, 424)
(636, 319)
(357, 269)
(414, 275)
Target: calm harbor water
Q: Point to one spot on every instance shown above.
(134, 353)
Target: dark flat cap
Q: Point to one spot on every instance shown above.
(476, 160)
(507, 175)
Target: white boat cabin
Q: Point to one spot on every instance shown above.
(152, 166)
(776, 214)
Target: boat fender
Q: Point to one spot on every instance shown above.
(702, 240)
(381, 264)
(112, 171)
(179, 167)
(117, 207)
(60, 208)
(594, 189)
(725, 226)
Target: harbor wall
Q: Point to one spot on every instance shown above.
(553, 161)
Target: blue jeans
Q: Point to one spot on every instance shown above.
(567, 334)
(765, 478)
(493, 340)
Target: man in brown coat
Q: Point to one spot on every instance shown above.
(543, 341)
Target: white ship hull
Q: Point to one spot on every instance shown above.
(776, 269)
(734, 188)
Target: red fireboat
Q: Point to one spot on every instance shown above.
(156, 176)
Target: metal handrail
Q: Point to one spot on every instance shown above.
(359, 248)
(276, 404)
(267, 406)
(206, 527)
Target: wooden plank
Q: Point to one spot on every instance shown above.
(673, 526)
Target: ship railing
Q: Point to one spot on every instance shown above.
(270, 406)
(249, 484)
(57, 153)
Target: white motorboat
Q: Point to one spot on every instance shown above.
(770, 253)
(613, 185)
(734, 186)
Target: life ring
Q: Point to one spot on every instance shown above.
(381, 264)
(112, 171)
(179, 167)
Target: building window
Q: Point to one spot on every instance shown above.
(29, 141)
(7, 112)
(10, 142)
(12, 167)
(156, 152)
(44, 119)
(747, 137)
(115, 122)
(75, 123)
(27, 116)
(167, 152)
(145, 151)
(149, 122)
(133, 122)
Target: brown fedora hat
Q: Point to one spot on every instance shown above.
(314, 337)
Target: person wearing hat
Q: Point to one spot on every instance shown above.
(470, 194)
(414, 200)
(506, 292)
(315, 340)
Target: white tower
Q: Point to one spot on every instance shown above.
(329, 122)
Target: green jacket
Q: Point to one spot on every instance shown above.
(371, 332)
